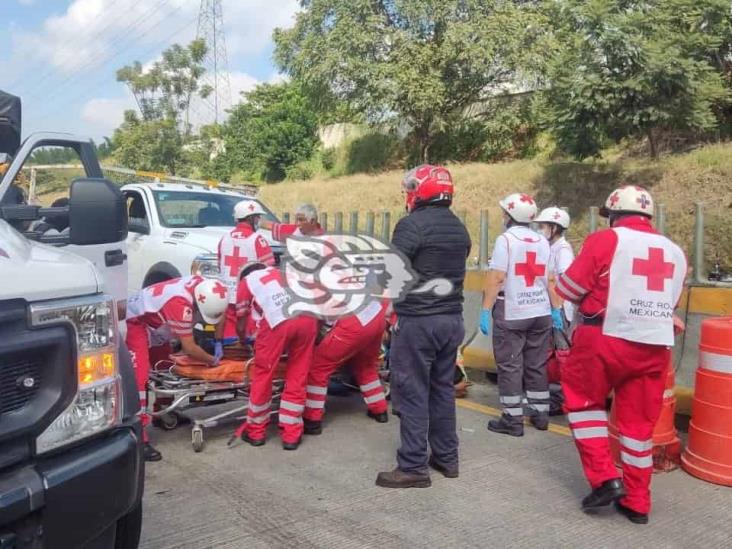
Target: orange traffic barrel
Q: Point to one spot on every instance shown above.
(666, 443)
(709, 452)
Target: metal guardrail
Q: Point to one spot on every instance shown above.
(382, 228)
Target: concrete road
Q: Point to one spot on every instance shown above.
(512, 492)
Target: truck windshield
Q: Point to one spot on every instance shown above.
(198, 209)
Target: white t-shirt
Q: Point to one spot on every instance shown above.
(561, 257)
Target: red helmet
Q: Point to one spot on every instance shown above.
(427, 184)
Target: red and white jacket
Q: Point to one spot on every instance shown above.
(241, 245)
(632, 276)
(166, 307)
(262, 293)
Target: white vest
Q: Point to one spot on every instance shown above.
(560, 250)
(152, 299)
(235, 251)
(646, 280)
(527, 279)
(270, 296)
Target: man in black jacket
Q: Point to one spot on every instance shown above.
(428, 330)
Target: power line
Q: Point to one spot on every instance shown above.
(49, 71)
(113, 55)
(104, 80)
(123, 37)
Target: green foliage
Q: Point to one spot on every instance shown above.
(152, 145)
(54, 155)
(630, 68)
(272, 130)
(165, 90)
(423, 61)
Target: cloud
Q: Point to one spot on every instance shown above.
(103, 115)
(91, 32)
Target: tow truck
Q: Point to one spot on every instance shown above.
(71, 466)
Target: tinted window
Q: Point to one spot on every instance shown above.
(198, 209)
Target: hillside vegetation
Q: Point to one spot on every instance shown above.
(704, 175)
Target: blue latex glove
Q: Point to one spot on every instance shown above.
(218, 350)
(485, 321)
(557, 320)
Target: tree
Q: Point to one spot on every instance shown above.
(632, 68)
(274, 128)
(419, 61)
(151, 145)
(165, 90)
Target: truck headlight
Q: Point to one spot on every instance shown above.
(206, 265)
(97, 405)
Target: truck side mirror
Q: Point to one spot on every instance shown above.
(97, 212)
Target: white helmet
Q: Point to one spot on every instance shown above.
(629, 199)
(245, 208)
(212, 298)
(554, 215)
(520, 207)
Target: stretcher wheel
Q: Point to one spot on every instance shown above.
(197, 439)
(167, 422)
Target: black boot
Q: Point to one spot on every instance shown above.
(447, 471)
(609, 491)
(383, 417)
(253, 441)
(150, 453)
(291, 445)
(540, 421)
(312, 427)
(505, 428)
(633, 516)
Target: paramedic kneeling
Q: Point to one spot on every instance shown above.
(165, 310)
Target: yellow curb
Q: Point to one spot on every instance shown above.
(495, 412)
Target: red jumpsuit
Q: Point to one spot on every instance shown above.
(262, 294)
(599, 363)
(169, 312)
(236, 248)
(355, 339)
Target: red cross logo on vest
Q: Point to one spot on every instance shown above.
(235, 262)
(655, 269)
(220, 289)
(159, 288)
(530, 270)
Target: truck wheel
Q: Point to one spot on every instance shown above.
(160, 272)
(128, 529)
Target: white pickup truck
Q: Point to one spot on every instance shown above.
(175, 228)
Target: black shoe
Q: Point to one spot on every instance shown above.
(444, 470)
(540, 421)
(292, 445)
(150, 453)
(253, 441)
(396, 412)
(505, 428)
(383, 417)
(633, 516)
(609, 491)
(399, 479)
(312, 427)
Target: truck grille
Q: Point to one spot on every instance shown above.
(19, 383)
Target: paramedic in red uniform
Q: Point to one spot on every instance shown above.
(356, 340)
(161, 312)
(627, 281)
(262, 294)
(236, 248)
(306, 224)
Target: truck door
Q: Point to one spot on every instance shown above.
(137, 237)
(76, 158)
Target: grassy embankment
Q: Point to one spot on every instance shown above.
(678, 181)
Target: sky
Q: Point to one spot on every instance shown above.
(61, 56)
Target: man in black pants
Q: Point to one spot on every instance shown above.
(428, 331)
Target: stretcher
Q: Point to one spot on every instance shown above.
(181, 385)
